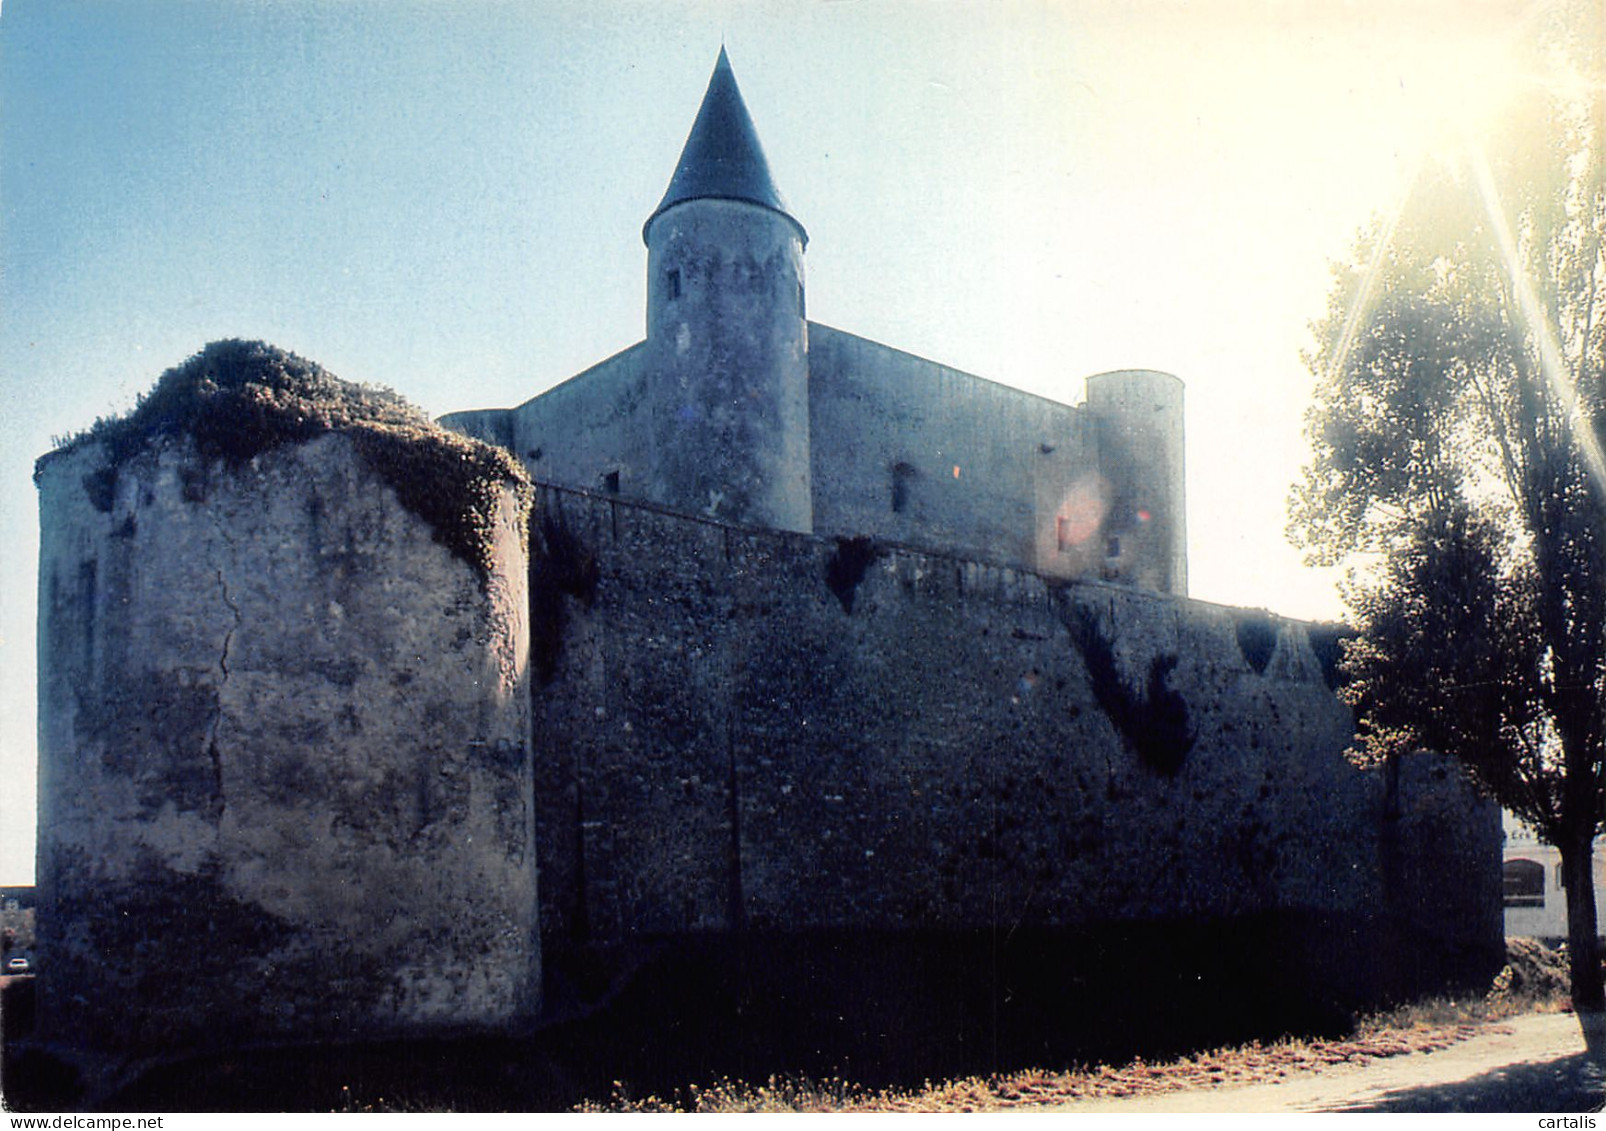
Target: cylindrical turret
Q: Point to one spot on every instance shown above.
(729, 369)
(283, 724)
(1139, 424)
(726, 331)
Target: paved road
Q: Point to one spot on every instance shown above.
(1533, 1063)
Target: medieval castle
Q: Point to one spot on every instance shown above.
(739, 408)
(777, 659)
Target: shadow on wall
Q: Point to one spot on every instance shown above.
(847, 568)
(879, 1009)
(1153, 721)
(559, 566)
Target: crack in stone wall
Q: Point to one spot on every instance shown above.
(327, 706)
(213, 750)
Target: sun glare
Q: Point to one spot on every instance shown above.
(1551, 362)
(1457, 107)
(1452, 97)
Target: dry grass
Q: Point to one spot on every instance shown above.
(1423, 1026)
(1245, 1064)
(1534, 981)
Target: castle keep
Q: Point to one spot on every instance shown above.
(738, 408)
(857, 687)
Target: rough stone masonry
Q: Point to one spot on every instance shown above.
(742, 730)
(284, 757)
(291, 790)
(804, 675)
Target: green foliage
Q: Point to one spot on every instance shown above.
(236, 400)
(1451, 457)
(1450, 657)
(1460, 409)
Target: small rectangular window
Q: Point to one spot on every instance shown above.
(1112, 548)
(902, 473)
(672, 282)
(610, 482)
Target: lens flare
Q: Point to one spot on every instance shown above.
(1081, 512)
(1361, 304)
(1532, 313)
(1460, 111)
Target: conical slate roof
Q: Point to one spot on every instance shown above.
(723, 159)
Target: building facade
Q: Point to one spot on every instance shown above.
(1534, 895)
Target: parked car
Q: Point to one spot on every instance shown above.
(17, 964)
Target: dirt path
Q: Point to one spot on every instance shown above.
(1531, 1063)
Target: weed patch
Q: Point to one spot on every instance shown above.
(236, 400)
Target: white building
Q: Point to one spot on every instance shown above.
(1535, 901)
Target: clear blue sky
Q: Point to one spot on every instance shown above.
(446, 198)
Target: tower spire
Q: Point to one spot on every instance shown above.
(722, 158)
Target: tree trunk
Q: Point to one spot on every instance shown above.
(1583, 942)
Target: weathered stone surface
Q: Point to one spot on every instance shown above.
(288, 788)
(739, 732)
(907, 450)
(727, 406)
(284, 784)
(889, 445)
(1138, 416)
(736, 407)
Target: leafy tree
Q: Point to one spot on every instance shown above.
(1456, 468)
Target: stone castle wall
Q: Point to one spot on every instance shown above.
(284, 758)
(907, 450)
(897, 447)
(288, 788)
(582, 431)
(748, 731)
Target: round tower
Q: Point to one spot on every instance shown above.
(1137, 417)
(726, 331)
(284, 724)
